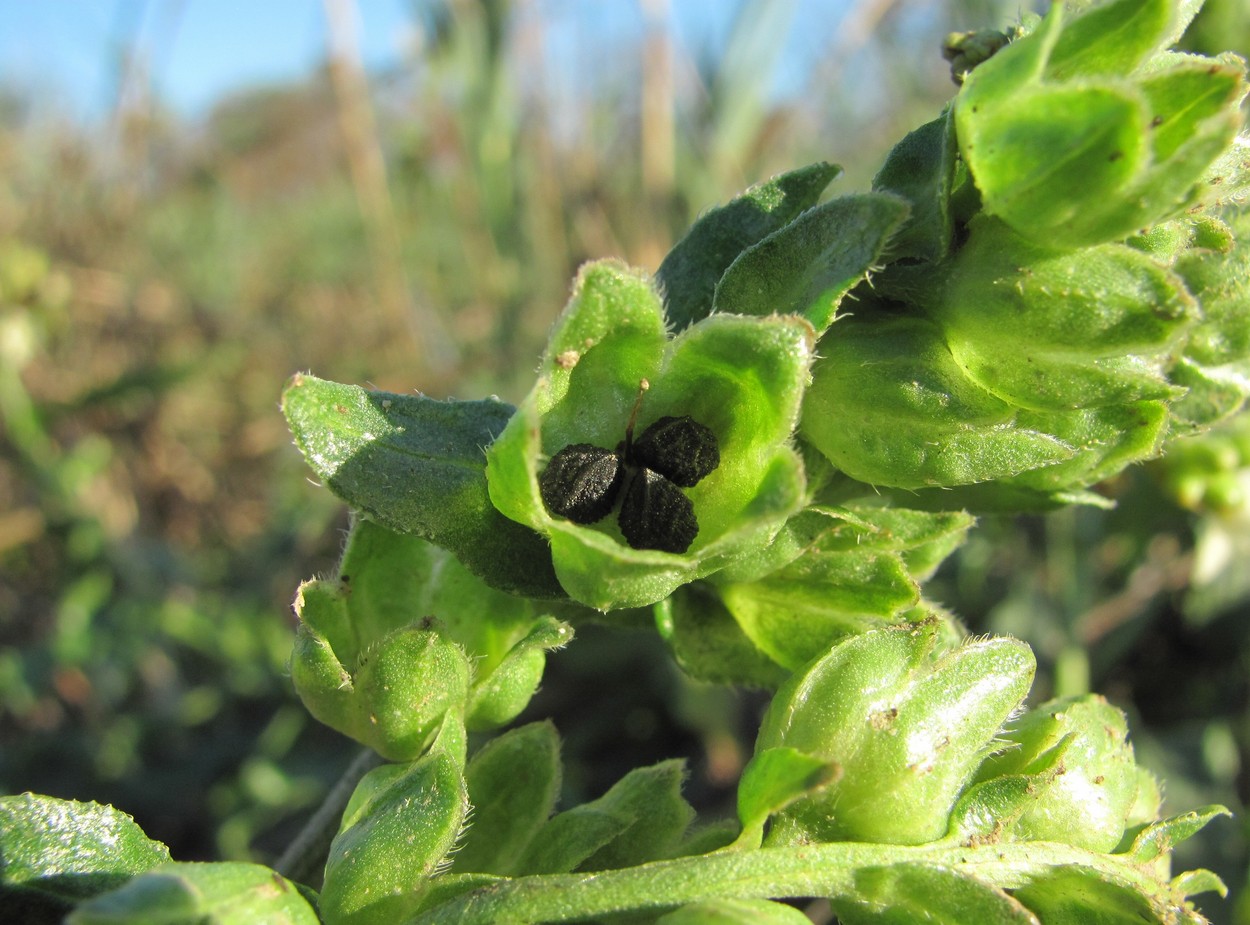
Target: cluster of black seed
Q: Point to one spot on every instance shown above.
(582, 482)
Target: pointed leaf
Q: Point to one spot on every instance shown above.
(513, 784)
(807, 267)
(689, 274)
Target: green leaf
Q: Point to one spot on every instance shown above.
(851, 567)
(849, 578)
(1110, 39)
(776, 777)
(902, 894)
(808, 266)
(416, 465)
(394, 839)
(641, 818)
(1193, 882)
(58, 852)
(1106, 440)
(734, 912)
(1051, 330)
(1161, 837)
(987, 811)
(224, 893)
(1066, 143)
(1040, 162)
(689, 274)
(708, 644)
(499, 694)
(513, 784)
(1076, 896)
(921, 169)
(569, 838)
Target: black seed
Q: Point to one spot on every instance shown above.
(681, 449)
(656, 515)
(581, 483)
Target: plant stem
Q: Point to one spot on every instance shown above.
(828, 870)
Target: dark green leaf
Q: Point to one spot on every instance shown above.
(807, 267)
(416, 465)
(708, 644)
(689, 274)
(921, 169)
(642, 818)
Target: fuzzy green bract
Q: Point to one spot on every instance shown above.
(741, 377)
(1086, 130)
(1051, 316)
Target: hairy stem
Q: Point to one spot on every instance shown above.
(827, 870)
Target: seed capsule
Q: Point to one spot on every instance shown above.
(679, 448)
(656, 515)
(581, 482)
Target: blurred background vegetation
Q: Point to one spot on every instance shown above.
(417, 229)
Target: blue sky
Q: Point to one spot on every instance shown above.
(196, 51)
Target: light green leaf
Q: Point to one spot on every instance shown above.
(776, 777)
(889, 405)
(224, 893)
(734, 912)
(513, 783)
(59, 852)
(903, 894)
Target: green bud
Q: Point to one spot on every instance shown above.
(394, 698)
(406, 633)
(1094, 789)
(907, 725)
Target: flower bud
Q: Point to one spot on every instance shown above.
(1094, 787)
(906, 723)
